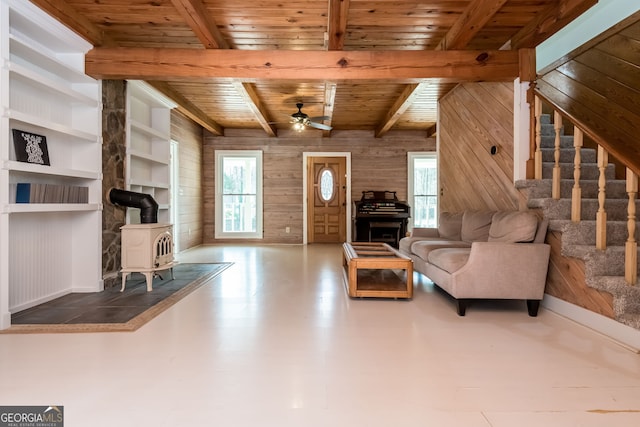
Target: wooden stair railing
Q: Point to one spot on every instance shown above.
(538, 148)
(576, 192)
(631, 246)
(601, 215)
(557, 127)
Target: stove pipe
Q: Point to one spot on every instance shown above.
(147, 205)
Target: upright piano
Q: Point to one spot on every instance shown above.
(380, 217)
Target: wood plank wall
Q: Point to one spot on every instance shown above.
(597, 87)
(188, 134)
(473, 118)
(566, 281)
(376, 164)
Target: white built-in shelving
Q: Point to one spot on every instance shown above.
(148, 147)
(47, 249)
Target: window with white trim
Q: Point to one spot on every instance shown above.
(423, 188)
(238, 194)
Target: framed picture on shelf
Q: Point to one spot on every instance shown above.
(30, 147)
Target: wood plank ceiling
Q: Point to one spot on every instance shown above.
(367, 65)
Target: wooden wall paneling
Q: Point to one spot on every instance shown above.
(566, 281)
(610, 68)
(597, 86)
(188, 134)
(208, 188)
(473, 117)
(473, 179)
(282, 192)
(595, 102)
(376, 164)
(495, 121)
(625, 96)
(378, 167)
(461, 175)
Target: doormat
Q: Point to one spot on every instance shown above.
(112, 310)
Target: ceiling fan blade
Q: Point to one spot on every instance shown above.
(319, 126)
(319, 118)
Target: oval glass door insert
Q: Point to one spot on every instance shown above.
(326, 185)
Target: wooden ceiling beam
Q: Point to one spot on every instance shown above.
(329, 100)
(69, 16)
(252, 99)
(551, 20)
(187, 108)
(404, 101)
(472, 20)
(66, 14)
(202, 24)
(337, 24)
(206, 29)
(168, 64)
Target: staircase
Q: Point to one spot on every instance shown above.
(604, 269)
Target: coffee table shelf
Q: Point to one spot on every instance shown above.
(376, 270)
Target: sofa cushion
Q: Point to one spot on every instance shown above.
(406, 242)
(513, 227)
(541, 233)
(424, 247)
(449, 259)
(476, 225)
(450, 225)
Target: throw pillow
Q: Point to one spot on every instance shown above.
(475, 225)
(450, 225)
(513, 227)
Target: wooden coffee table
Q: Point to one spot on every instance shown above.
(374, 269)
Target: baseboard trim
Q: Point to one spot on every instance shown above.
(624, 335)
(5, 321)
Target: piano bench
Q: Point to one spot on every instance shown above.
(393, 226)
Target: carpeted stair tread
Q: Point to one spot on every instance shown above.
(588, 171)
(604, 269)
(549, 141)
(584, 232)
(541, 189)
(616, 209)
(568, 154)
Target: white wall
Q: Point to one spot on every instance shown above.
(596, 20)
(521, 125)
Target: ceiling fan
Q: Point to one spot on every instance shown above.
(301, 120)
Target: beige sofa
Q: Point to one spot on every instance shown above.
(483, 255)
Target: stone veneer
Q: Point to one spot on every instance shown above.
(113, 159)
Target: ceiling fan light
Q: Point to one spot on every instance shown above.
(298, 127)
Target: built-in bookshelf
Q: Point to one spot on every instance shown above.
(148, 163)
(49, 246)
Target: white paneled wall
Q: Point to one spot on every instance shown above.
(40, 264)
(54, 248)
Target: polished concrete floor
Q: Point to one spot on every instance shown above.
(275, 341)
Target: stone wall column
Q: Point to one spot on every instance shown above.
(113, 159)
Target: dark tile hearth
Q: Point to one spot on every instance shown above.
(113, 307)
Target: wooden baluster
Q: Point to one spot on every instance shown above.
(576, 192)
(601, 215)
(538, 153)
(631, 246)
(555, 184)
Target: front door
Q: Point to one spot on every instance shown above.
(326, 202)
